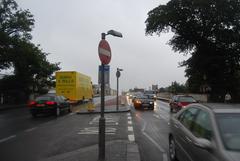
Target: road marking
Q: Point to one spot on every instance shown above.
(72, 113)
(157, 116)
(128, 114)
(131, 138)
(129, 118)
(94, 131)
(165, 158)
(7, 138)
(109, 120)
(31, 129)
(130, 128)
(130, 122)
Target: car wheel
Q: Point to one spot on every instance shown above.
(57, 112)
(172, 149)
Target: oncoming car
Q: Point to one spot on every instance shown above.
(49, 103)
(180, 101)
(143, 101)
(208, 132)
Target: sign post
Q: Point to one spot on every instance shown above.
(118, 74)
(104, 52)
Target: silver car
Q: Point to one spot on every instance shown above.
(208, 132)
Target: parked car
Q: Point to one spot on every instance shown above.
(49, 103)
(143, 101)
(180, 101)
(208, 132)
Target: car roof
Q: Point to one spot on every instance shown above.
(223, 107)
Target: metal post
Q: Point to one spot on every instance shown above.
(101, 149)
(117, 95)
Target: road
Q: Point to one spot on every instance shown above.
(151, 132)
(23, 138)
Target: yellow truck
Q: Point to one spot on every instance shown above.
(75, 86)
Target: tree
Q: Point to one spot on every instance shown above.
(32, 71)
(210, 32)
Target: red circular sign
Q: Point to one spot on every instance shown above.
(104, 52)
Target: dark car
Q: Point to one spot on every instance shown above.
(49, 103)
(143, 101)
(208, 132)
(180, 101)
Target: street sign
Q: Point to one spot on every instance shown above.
(106, 74)
(118, 74)
(104, 52)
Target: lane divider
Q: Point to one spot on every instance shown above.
(131, 136)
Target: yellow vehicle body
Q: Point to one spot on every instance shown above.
(74, 86)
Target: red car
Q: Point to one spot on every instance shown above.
(180, 101)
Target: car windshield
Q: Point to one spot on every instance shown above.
(144, 97)
(186, 99)
(228, 125)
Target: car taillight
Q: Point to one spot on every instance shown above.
(50, 103)
(180, 104)
(31, 103)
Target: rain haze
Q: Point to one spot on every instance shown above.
(71, 31)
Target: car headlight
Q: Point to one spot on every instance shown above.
(151, 102)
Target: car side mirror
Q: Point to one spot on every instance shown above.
(203, 144)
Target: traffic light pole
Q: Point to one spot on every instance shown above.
(101, 148)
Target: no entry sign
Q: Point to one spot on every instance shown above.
(104, 52)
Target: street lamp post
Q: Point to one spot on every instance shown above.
(118, 74)
(101, 142)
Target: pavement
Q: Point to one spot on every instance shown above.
(110, 107)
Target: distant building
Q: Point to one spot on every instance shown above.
(137, 90)
(155, 87)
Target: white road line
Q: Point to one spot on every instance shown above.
(157, 116)
(130, 128)
(129, 118)
(8, 138)
(165, 158)
(130, 122)
(31, 129)
(128, 114)
(131, 138)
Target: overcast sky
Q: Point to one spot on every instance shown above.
(71, 30)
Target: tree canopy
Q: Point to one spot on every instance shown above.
(17, 52)
(210, 32)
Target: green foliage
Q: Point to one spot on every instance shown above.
(210, 32)
(32, 71)
(176, 87)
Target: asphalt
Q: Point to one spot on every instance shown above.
(117, 150)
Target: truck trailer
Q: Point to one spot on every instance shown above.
(73, 85)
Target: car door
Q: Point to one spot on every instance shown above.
(182, 131)
(202, 128)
